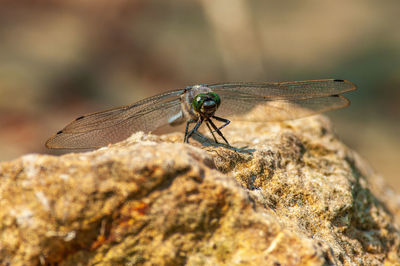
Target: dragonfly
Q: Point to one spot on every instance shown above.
(205, 104)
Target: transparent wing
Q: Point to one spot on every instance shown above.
(259, 110)
(287, 90)
(110, 126)
(278, 101)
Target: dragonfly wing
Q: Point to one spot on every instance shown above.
(254, 108)
(287, 90)
(278, 101)
(110, 126)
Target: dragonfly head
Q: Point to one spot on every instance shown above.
(206, 103)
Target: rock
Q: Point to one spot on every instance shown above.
(293, 194)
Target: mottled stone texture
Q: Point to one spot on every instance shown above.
(293, 194)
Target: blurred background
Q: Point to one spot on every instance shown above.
(61, 59)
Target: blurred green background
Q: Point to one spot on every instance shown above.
(60, 59)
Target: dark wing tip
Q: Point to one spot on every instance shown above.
(350, 86)
(79, 118)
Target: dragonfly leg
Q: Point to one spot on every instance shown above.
(186, 130)
(226, 121)
(212, 132)
(188, 135)
(218, 131)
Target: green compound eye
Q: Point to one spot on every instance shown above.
(198, 101)
(215, 97)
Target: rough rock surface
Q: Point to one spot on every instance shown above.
(293, 194)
